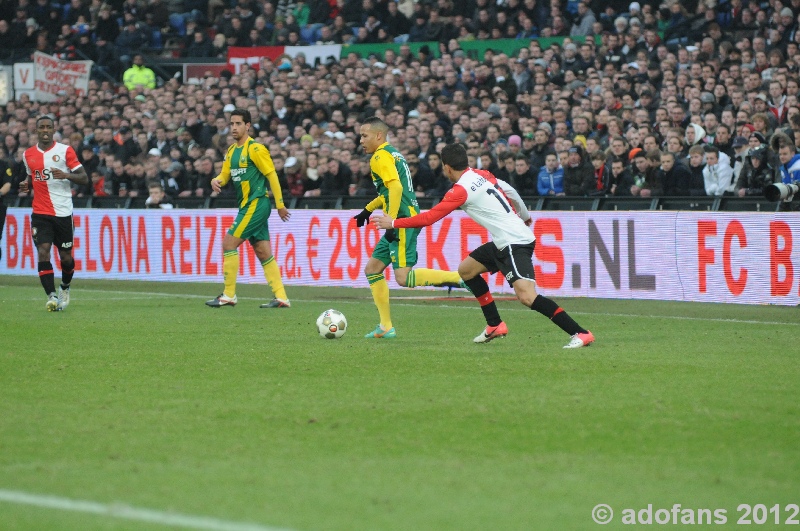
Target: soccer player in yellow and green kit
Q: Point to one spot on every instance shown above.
(249, 165)
(397, 247)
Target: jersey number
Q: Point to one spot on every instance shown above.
(408, 173)
(492, 191)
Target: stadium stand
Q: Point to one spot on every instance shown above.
(509, 79)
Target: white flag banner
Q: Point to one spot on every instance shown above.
(53, 75)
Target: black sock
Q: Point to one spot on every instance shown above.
(480, 289)
(67, 270)
(47, 278)
(552, 311)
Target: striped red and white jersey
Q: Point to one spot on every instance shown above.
(51, 197)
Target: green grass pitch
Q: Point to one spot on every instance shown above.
(140, 395)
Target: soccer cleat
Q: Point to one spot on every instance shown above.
(63, 297)
(52, 303)
(492, 332)
(382, 333)
(222, 300)
(277, 303)
(580, 340)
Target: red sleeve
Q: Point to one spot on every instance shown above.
(453, 199)
(72, 159)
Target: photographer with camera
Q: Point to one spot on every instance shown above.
(789, 185)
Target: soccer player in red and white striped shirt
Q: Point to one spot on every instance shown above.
(52, 167)
(494, 204)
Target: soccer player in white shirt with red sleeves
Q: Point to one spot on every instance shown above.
(496, 206)
(53, 167)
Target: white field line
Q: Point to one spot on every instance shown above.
(129, 513)
(94, 299)
(395, 302)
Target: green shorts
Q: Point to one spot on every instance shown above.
(252, 221)
(400, 253)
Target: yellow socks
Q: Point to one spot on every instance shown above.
(230, 268)
(273, 275)
(432, 277)
(380, 294)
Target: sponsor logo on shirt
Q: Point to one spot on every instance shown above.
(43, 175)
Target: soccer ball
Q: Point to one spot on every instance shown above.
(332, 324)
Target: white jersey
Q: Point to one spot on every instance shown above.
(493, 203)
(51, 197)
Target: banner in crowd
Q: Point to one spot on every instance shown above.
(239, 55)
(53, 75)
(751, 258)
(474, 49)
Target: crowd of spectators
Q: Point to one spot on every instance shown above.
(634, 100)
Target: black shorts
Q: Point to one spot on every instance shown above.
(515, 261)
(52, 229)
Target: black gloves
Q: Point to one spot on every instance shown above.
(362, 217)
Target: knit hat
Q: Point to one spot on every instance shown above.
(759, 153)
(635, 152)
(699, 134)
